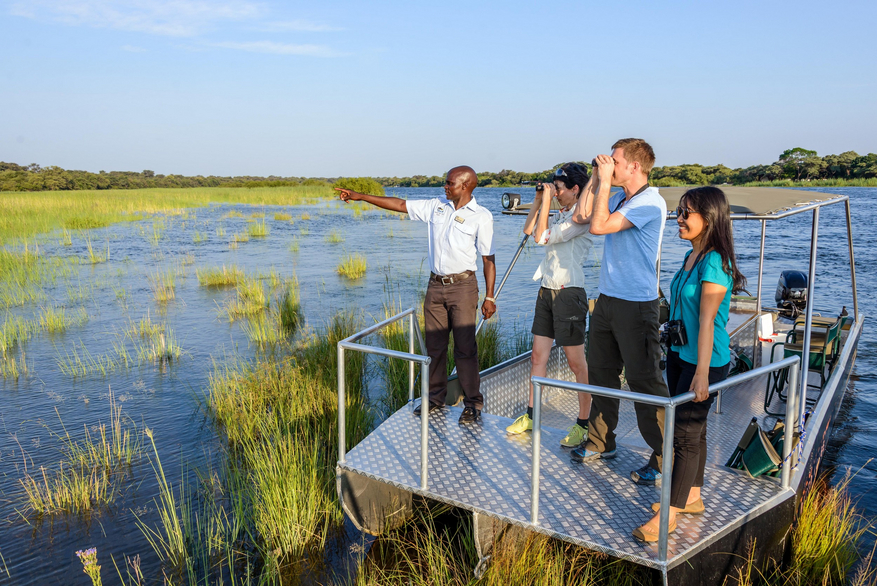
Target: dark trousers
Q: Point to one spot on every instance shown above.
(624, 334)
(689, 436)
(447, 308)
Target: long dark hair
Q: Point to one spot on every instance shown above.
(718, 235)
(576, 174)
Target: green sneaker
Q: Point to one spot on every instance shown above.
(575, 436)
(521, 424)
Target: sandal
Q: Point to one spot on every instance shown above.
(643, 533)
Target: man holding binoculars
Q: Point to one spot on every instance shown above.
(624, 325)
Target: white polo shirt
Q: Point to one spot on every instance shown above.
(456, 237)
(566, 247)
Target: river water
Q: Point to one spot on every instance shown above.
(169, 400)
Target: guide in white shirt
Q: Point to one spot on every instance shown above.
(459, 230)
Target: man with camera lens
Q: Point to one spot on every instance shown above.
(624, 325)
(459, 230)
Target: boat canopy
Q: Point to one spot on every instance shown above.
(760, 201)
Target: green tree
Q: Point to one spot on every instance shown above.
(792, 161)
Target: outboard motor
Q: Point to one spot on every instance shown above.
(511, 201)
(791, 295)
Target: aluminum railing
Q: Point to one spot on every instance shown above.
(669, 405)
(412, 358)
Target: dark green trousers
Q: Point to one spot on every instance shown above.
(624, 334)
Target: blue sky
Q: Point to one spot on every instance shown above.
(240, 87)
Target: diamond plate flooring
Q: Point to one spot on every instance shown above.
(480, 468)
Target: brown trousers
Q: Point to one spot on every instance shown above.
(625, 334)
(447, 308)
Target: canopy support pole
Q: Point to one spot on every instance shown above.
(808, 320)
(758, 297)
(852, 262)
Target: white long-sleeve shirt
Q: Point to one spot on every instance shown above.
(566, 247)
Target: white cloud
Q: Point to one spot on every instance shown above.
(133, 49)
(280, 48)
(176, 18)
(303, 26)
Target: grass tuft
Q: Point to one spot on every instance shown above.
(258, 229)
(352, 266)
(282, 217)
(219, 276)
(163, 286)
(334, 237)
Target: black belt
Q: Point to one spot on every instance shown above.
(450, 279)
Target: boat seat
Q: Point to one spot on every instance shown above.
(824, 348)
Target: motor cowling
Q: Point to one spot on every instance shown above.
(791, 294)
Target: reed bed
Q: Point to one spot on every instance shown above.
(14, 331)
(290, 307)
(23, 214)
(89, 474)
(353, 266)
(258, 229)
(224, 276)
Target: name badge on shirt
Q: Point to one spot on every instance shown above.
(459, 219)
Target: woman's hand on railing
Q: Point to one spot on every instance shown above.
(700, 386)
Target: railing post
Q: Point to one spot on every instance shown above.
(791, 423)
(852, 262)
(537, 446)
(666, 481)
(424, 424)
(410, 362)
(342, 405)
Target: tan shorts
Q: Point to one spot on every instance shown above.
(561, 314)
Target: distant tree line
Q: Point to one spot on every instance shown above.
(795, 165)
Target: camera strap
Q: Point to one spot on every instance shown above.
(624, 199)
(675, 294)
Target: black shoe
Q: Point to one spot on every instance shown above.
(469, 415)
(432, 407)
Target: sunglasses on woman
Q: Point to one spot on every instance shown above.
(684, 212)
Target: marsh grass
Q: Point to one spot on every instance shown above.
(232, 214)
(78, 293)
(394, 372)
(334, 237)
(220, 232)
(224, 276)
(89, 474)
(264, 330)
(250, 299)
(290, 307)
(240, 237)
(66, 238)
(13, 367)
(159, 347)
(78, 361)
(258, 229)
(491, 348)
(95, 257)
(282, 217)
(294, 245)
(353, 266)
(145, 328)
(199, 237)
(303, 231)
(163, 285)
(15, 331)
(55, 320)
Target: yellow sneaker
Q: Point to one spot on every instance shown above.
(521, 424)
(575, 436)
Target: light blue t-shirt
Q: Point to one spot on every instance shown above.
(629, 257)
(685, 305)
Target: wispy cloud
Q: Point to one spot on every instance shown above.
(176, 18)
(299, 26)
(133, 49)
(280, 48)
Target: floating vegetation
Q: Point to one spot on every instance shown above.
(250, 299)
(163, 286)
(90, 472)
(334, 237)
(56, 320)
(282, 217)
(258, 229)
(219, 276)
(352, 266)
(199, 237)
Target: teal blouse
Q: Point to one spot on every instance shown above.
(685, 290)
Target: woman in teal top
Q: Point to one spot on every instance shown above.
(700, 298)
